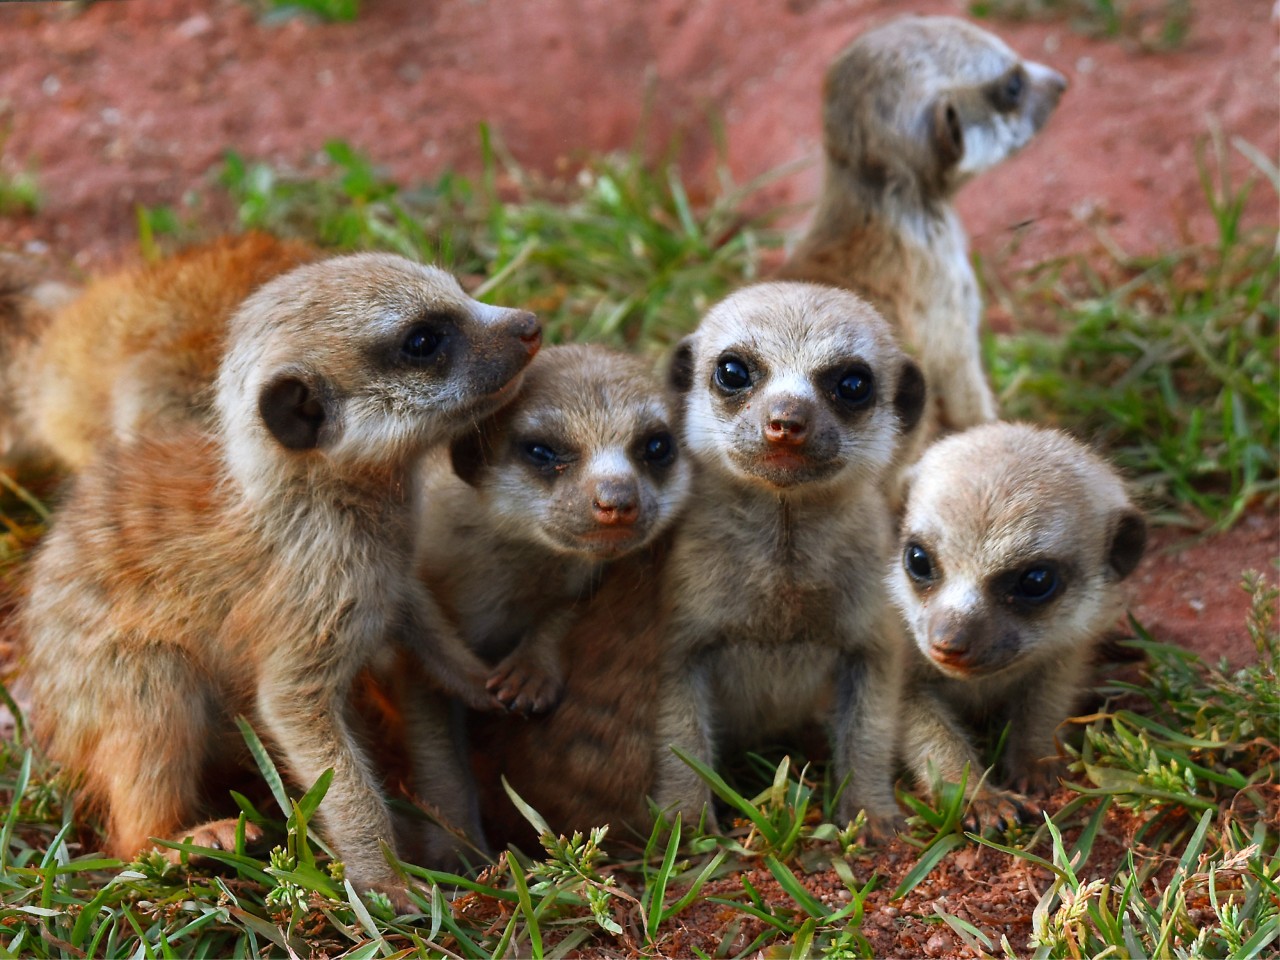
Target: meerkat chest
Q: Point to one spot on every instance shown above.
(764, 688)
(943, 291)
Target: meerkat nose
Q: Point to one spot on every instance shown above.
(788, 424)
(615, 503)
(527, 327)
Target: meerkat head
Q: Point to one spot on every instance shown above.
(795, 385)
(1014, 541)
(932, 101)
(363, 361)
(584, 460)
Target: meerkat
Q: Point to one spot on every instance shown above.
(579, 470)
(141, 347)
(27, 306)
(1013, 547)
(258, 568)
(912, 110)
(795, 399)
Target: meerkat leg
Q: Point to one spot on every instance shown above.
(530, 679)
(304, 711)
(935, 744)
(684, 721)
(442, 781)
(961, 384)
(445, 655)
(148, 759)
(864, 741)
(1035, 711)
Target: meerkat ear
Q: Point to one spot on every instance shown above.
(680, 370)
(469, 456)
(948, 134)
(294, 411)
(909, 399)
(1128, 541)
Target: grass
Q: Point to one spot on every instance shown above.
(1152, 25)
(1169, 843)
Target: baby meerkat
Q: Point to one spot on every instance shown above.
(1013, 547)
(193, 576)
(142, 346)
(580, 469)
(795, 399)
(912, 110)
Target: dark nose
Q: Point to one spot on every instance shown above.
(526, 326)
(788, 423)
(616, 503)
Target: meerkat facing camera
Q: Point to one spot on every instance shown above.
(141, 347)
(579, 470)
(795, 400)
(912, 110)
(193, 576)
(1014, 544)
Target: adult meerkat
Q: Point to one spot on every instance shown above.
(257, 569)
(1014, 544)
(912, 110)
(795, 399)
(27, 306)
(141, 347)
(579, 470)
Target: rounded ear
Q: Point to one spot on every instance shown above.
(468, 454)
(948, 134)
(910, 396)
(680, 370)
(1128, 541)
(294, 411)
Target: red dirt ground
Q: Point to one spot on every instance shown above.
(133, 102)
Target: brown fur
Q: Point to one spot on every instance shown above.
(912, 110)
(258, 568)
(142, 346)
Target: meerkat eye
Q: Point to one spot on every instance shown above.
(918, 563)
(1008, 92)
(659, 448)
(420, 343)
(856, 386)
(540, 455)
(732, 374)
(1036, 584)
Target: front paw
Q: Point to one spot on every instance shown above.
(879, 827)
(524, 687)
(995, 810)
(215, 835)
(1037, 776)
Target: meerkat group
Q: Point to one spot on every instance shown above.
(293, 471)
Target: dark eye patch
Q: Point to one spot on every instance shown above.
(1006, 93)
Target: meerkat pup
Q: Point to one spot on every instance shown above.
(1014, 544)
(579, 470)
(913, 110)
(194, 576)
(141, 347)
(795, 399)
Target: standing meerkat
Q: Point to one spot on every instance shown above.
(141, 347)
(795, 399)
(257, 569)
(912, 110)
(579, 470)
(1014, 544)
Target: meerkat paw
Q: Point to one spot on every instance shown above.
(1038, 776)
(216, 835)
(881, 828)
(995, 810)
(395, 891)
(520, 685)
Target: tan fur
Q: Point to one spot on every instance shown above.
(777, 611)
(579, 470)
(986, 508)
(912, 110)
(27, 306)
(141, 347)
(257, 568)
